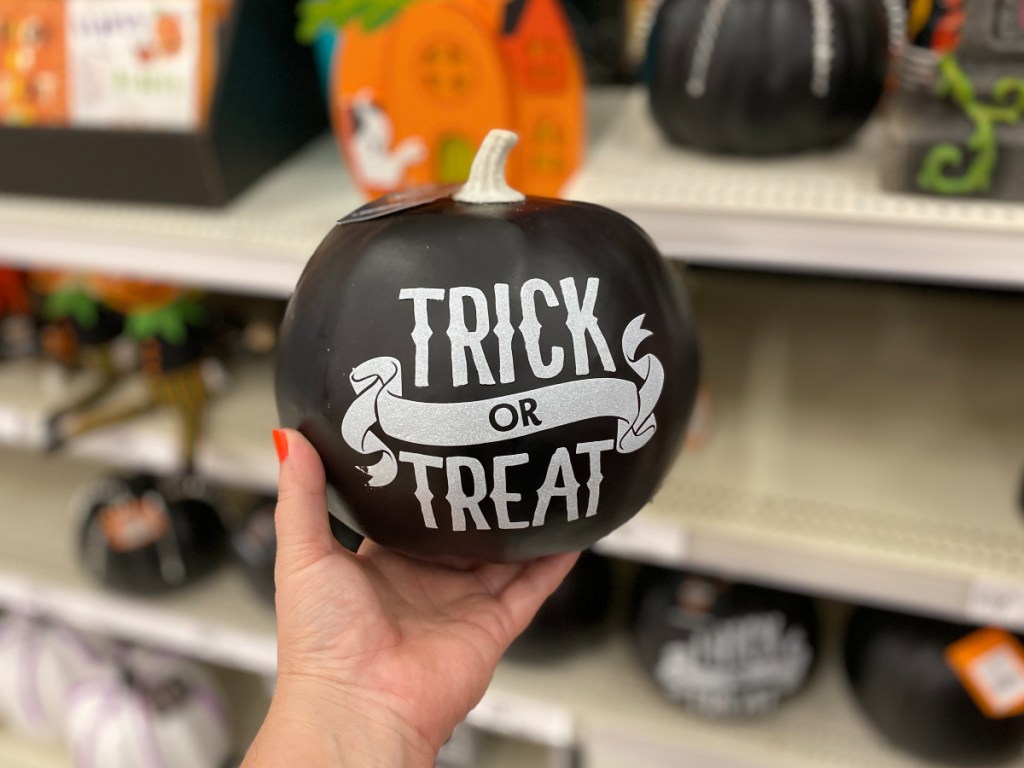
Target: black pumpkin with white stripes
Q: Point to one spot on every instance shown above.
(766, 77)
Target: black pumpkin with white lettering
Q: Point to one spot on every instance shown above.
(488, 377)
(904, 683)
(766, 77)
(720, 648)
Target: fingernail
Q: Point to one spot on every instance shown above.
(281, 444)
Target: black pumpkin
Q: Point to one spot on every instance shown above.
(900, 677)
(719, 648)
(488, 381)
(144, 535)
(766, 77)
(573, 614)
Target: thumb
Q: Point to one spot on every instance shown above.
(303, 531)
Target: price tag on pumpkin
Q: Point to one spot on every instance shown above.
(524, 718)
(990, 664)
(990, 602)
(647, 540)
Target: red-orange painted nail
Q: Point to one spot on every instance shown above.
(281, 444)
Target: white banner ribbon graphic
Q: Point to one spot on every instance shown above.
(379, 401)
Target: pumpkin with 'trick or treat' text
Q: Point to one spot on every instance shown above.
(488, 376)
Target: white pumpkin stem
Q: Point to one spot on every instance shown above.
(486, 182)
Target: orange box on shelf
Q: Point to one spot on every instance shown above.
(413, 96)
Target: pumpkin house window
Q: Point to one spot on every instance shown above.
(447, 71)
(454, 158)
(549, 150)
(546, 65)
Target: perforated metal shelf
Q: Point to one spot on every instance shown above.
(816, 213)
(235, 449)
(247, 702)
(599, 698)
(867, 442)
(258, 244)
(820, 212)
(625, 723)
(218, 620)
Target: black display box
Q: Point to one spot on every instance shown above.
(266, 104)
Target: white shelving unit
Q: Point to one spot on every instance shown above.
(257, 245)
(866, 444)
(598, 697)
(868, 440)
(247, 701)
(624, 722)
(820, 213)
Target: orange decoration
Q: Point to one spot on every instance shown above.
(413, 99)
(128, 295)
(32, 63)
(14, 299)
(990, 664)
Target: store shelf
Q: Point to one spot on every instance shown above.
(247, 704)
(258, 244)
(599, 696)
(821, 212)
(236, 449)
(815, 213)
(626, 723)
(16, 751)
(217, 620)
(867, 443)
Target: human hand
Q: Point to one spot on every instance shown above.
(379, 656)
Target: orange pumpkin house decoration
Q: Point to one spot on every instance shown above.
(413, 98)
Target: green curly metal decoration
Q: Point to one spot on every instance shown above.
(1007, 109)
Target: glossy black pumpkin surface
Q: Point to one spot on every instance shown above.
(488, 381)
(900, 677)
(719, 648)
(766, 77)
(140, 534)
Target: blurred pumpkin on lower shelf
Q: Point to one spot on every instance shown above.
(40, 662)
(156, 710)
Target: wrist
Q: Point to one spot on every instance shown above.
(319, 723)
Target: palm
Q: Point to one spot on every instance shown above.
(399, 636)
(421, 639)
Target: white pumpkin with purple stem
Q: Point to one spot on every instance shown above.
(40, 662)
(160, 712)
